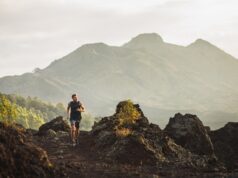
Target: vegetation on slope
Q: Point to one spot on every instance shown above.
(127, 115)
(33, 112)
(29, 112)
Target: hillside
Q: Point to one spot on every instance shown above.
(29, 112)
(124, 144)
(165, 78)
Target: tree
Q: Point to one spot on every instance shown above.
(7, 110)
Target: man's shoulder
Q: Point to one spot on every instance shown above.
(72, 102)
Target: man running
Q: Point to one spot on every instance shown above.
(74, 110)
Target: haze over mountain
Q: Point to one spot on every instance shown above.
(163, 78)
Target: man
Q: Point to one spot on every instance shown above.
(74, 110)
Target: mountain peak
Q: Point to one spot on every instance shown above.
(147, 36)
(201, 42)
(92, 47)
(98, 45)
(144, 40)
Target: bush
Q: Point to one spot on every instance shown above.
(127, 114)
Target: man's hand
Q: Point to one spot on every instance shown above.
(81, 109)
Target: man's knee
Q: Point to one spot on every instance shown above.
(73, 128)
(77, 124)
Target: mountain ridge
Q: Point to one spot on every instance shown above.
(157, 74)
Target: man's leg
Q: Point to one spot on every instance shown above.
(77, 131)
(72, 131)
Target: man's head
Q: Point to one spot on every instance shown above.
(74, 97)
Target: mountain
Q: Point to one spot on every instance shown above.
(163, 77)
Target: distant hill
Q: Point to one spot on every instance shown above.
(164, 78)
(29, 112)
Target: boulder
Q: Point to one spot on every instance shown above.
(31, 132)
(50, 133)
(225, 141)
(19, 157)
(133, 149)
(189, 132)
(62, 134)
(57, 124)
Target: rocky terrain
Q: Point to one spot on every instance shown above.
(19, 156)
(125, 144)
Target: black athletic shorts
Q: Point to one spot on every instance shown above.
(75, 122)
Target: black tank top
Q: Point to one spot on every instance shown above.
(74, 106)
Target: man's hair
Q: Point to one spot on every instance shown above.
(73, 95)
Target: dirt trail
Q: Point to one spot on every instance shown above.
(80, 161)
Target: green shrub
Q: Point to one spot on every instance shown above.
(127, 114)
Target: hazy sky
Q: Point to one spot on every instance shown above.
(35, 32)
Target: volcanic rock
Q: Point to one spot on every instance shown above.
(57, 124)
(188, 131)
(19, 157)
(225, 141)
(123, 138)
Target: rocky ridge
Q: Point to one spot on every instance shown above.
(125, 144)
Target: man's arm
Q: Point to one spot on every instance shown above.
(68, 111)
(82, 108)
